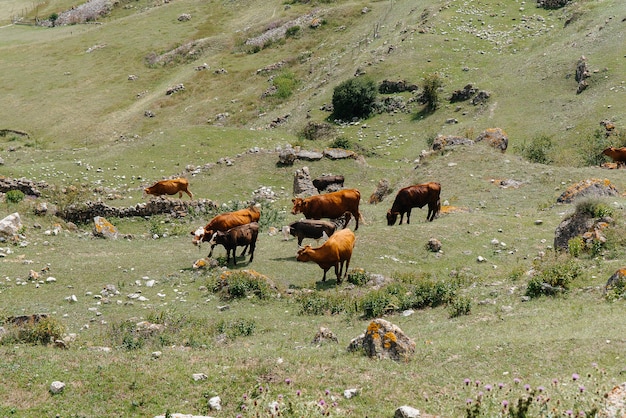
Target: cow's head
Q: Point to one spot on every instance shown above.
(213, 240)
(298, 205)
(304, 253)
(198, 236)
(146, 192)
(608, 151)
(391, 217)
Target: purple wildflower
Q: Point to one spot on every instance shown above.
(261, 389)
(288, 381)
(500, 385)
(581, 388)
(467, 382)
(555, 382)
(541, 389)
(517, 381)
(569, 412)
(505, 403)
(477, 383)
(480, 395)
(575, 376)
(327, 392)
(298, 393)
(594, 365)
(245, 396)
(527, 387)
(321, 402)
(243, 407)
(280, 396)
(488, 388)
(468, 401)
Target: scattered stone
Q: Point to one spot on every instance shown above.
(199, 376)
(215, 403)
(324, 335)
(28, 187)
(433, 245)
(287, 156)
(175, 89)
(57, 387)
(447, 141)
(582, 74)
(350, 393)
(185, 17)
(406, 412)
(156, 354)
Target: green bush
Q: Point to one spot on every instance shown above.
(45, 331)
(341, 142)
(430, 93)
(461, 305)
(575, 246)
(241, 284)
(554, 277)
(593, 207)
(538, 150)
(319, 303)
(14, 196)
(285, 84)
(293, 32)
(591, 148)
(354, 98)
(236, 328)
(358, 277)
(375, 304)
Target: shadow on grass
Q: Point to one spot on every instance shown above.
(328, 284)
(422, 114)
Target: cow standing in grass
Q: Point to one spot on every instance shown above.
(335, 252)
(224, 222)
(239, 236)
(618, 155)
(416, 196)
(315, 229)
(330, 205)
(169, 187)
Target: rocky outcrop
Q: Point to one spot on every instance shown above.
(85, 212)
(28, 187)
(447, 141)
(390, 87)
(382, 190)
(588, 188)
(10, 226)
(590, 229)
(495, 137)
(302, 183)
(582, 74)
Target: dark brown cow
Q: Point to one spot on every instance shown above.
(315, 229)
(330, 205)
(169, 187)
(239, 236)
(323, 182)
(224, 222)
(416, 196)
(335, 252)
(617, 154)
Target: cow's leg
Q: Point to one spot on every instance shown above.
(189, 194)
(180, 194)
(300, 238)
(252, 247)
(431, 212)
(211, 252)
(324, 278)
(401, 218)
(356, 215)
(234, 256)
(345, 273)
(408, 216)
(338, 271)
(244, 250)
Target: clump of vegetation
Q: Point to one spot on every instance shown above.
(323, 303)
(430, 92)
(593, 207)
(354, 98)
(461, 305)
(241, 284)
(358, 277)
(591, 147)
(538, 150)
(14, 196)
(285, 83)
(317, 130)
(43, 332)
(293, 32)
(236, 328)
(553, 277)
(341, 142)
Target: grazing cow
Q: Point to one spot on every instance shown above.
(315, 229)
(617, 154)
(335, 252)
(323, 182)
(239, 236)
(330, 205)
(169, 187)
(224, 222)
(416, 196)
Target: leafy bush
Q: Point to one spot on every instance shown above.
(341, 142)
(293, 32)
(319, 303)
(593, 207)
(375, 304)
(317, 130)
(236, 328)
(575, 246)
(538, 150)
(591, 148)
(461, 305)
(44, 331)
(241, 284)
(358, 277)
(553, 277)
(354, 98)
(285, 84)
(14, 196)
(430, 93)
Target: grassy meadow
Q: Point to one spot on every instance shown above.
(68, 89)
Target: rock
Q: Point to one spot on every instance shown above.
(350, 393)
(461, 95)
(215, 403)
(495, 137)
(582, 74)
(382, 339)
(307, 155)
(616, 279)
(104, 229)
(390, 87)
(57, 387)
(302, 183)
(586, 188)
(582, 225)
(406, 412)
(156, 354)
(10, 226)
(338, 153)
(382, 189)
(28, 187)
(199, 376)
(324, 335)
(615, 403)
(433, 245)
(447, 141)
(287, 156)
(175, 89)
(185, 17)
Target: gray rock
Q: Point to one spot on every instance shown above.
(382, 340)
(406, 412)
(57, 387)
(10, 226)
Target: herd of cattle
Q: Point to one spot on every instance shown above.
(241, 228)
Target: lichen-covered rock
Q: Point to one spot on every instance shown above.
(307, 155)
(382, 339)
(10, 226)
(495, 137)
(587, 188)
(302, 183)
(447, 141)
(287, 156)
(583, 225)
(324, 335)
(338, 153)
(104, 229)
(382, 189)
(616, 279)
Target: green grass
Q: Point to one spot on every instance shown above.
(87, 129)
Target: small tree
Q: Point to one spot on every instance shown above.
(430, 96)
(354, 98)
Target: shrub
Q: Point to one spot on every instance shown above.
(14, 196)
(236, 328)
(341, 142)
(318, 303)
(354, 98)
(285, 84)
(430, 93)
(375, 304)
(538, 150)
(554, 277)
(593, 207)
(293, 32)
(591, 148)
(575, 246)
(241, 284)
(461, 305)
(317, 130)
(358, 277)
(45, 331)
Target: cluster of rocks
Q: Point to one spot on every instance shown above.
(469, 92)
(495, 137)
(28, 187)
(85, 212)
(175, 89)
(390, 87)
(383, 188)
(276, 33)
(287, 156)
(86, 12)
(272, 67)
(552, 4)
(582, 74)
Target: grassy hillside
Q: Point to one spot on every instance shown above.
(68, 89)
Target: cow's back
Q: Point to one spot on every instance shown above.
(333, 205)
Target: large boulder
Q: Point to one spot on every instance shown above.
(588, 188)
(10, 226)
(447, 141)
(302, 183)
(104, 229)
(496, 137)
(382, 189)
(384, 340)
(583, 225)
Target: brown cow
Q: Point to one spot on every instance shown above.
(169, 187)
(330, 205)
(315, 229)
(416, 196)
(240, 236)
(324, 182)
(224, 222)
(335, 252)
(617, 154)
